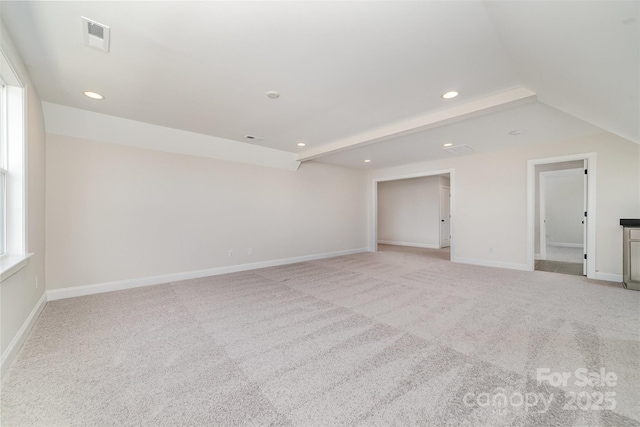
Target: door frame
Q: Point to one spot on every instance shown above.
(373, 234)
(448, 190)
(543, 206)
(590, 243)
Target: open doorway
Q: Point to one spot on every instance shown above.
(412, 213)
(562, 215)
(562, 203)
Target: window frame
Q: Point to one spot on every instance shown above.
(13, 139)
(3, 166)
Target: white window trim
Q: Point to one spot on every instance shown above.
(11, 264)
(3, 165)
(16, 256)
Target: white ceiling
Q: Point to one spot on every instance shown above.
(342, 68)
(485, 133)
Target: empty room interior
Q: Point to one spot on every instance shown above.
(320, 213)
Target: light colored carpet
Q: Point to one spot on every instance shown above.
(398, 337)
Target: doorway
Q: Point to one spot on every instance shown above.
(413, 211)
(562, 215)
(562, 226)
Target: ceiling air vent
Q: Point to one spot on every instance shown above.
(254, 138)
(459, 150)
(95, 34)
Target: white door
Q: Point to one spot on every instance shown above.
(584, 221)
(445, 217)
(543, 220)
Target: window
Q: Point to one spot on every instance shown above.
(3, 167)
(12, 171)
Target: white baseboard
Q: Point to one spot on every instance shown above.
(565, 245)
(486, 263)
(77, 291)
(22, 334)
(413, 245)
(609, 277)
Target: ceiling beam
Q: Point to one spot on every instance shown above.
(489, 104)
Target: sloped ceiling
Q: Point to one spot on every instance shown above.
(579, 57)
(346, 71)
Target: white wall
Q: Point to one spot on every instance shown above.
(18, 294)
(77, 123)
(409, 212)
(564, 208)
(117, 213)
(490, 209)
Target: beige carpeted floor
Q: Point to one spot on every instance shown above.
(398, 337)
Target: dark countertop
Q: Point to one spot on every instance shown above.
(630, 222)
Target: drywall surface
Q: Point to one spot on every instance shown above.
(409, 212)
(77, 123)
(116, 212)
(19, 294)
(564, 207)
(490, 209)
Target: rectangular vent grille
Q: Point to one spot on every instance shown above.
(254, 138)
(96, 30)
(95, 35)
(459, 150)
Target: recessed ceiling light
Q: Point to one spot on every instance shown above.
(516, 132)
(93, 95)
(448, 144)
(367, 160)
(301, 144)
(450, 95)
(273, 95)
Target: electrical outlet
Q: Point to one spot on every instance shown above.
(250, 251)
(230, 253)
(491, 250)
(341, 242)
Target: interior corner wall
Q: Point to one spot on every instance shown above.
(409, 212)
(116, 212)
(490, 208)
(564, 209)
(18, 293)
